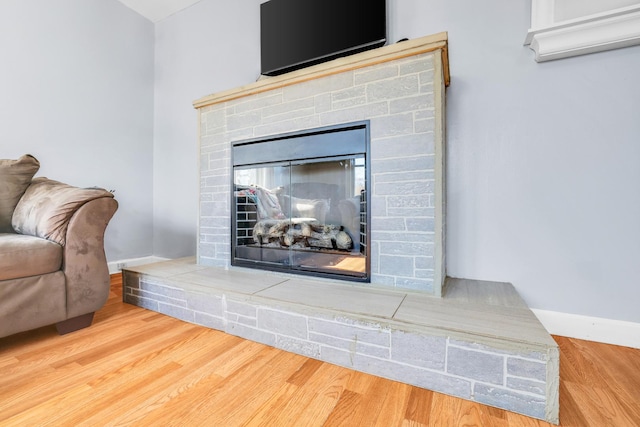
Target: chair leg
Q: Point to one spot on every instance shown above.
(75, 323)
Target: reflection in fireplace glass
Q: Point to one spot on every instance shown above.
(305, 215)
(300, 202)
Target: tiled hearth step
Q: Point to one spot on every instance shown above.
(479, 342)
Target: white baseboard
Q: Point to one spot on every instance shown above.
(608, 331)
(116, 266)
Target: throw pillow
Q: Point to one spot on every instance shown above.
(15, 177)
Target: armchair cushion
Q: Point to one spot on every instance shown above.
(15, 177)
(47, 206)
(26, 256)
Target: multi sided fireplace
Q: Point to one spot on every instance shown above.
(300, 202)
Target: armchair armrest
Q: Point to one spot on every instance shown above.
(47, 206)
(83, 261)
(76, 218)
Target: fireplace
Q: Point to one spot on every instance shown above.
(300, 202)
(286, 141)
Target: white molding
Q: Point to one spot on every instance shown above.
(588, 328)
(131, 262)
(593, 33)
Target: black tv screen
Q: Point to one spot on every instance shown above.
(298, 33)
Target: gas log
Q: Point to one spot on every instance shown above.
(301, 233)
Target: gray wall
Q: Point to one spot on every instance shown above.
(543, 158)
(76, 91)
(212, 46)
(543, 170)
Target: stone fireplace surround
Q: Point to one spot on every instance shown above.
(402, 96)
(474, 340)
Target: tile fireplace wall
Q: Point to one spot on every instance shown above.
(400, 90)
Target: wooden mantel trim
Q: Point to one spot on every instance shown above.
(364, 59)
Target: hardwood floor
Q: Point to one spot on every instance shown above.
(137, 367)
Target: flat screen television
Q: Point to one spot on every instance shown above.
(299, 33)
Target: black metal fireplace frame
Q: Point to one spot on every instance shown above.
(326, 143)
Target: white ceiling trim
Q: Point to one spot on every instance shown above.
(157, 10)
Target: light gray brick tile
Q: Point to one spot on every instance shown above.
(407, 202)
(397, 124)
(349, 332)
(304, 113)
(424, 114)
(419, 350)
(350, 93)
(417, 163)
(426, 126)
(410, 212)
(387, 224)
(404, 237)
(416, 284)
(530, 386)
(205, 303)
(427, 76)
(315, 87)
(251, 334)
(166, 291)
(419, 175)
(241, 308)
(425, 274)
(394, 88)
(510, 400)
(214, 119)
(322, 103)
(299, 123)
(406, 248)
(527, 368)
(417, 65)
(147, 303)
(409, 188)
(240, 134)
(261, 101)
(216, 180)
(372, 74)
(240, 121)
(420, 224)
(532, 354)
(411, 103)
(348, 103)
(382, 280)
(219, 222)
(177, 312)
(352, 114)
(282, 323)
(350, 345)
(206, 319)
(302, 347)
(410, 145)
(378, 206)
(214, 208)
(288, 107)
(476, 365)
(247, 321)
(395, 265)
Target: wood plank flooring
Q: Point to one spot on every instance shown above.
(135, 367)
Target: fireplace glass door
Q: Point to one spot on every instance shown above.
(303, 215)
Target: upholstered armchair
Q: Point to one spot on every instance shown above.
(53, 268)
